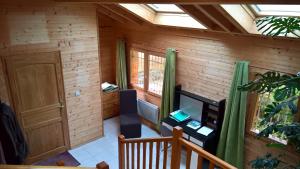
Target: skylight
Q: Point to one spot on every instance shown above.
(165, 8)
(276, 10)
(163, 14)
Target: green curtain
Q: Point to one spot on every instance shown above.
(168, 90)
(121, 74)
(231, 143)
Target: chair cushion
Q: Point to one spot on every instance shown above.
(128, 102)
(128, 119)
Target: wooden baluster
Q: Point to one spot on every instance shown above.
(211, 165)
(127, 155)
(176, 148)
(200, 162)
(121, 151)
(144, 154)
(157, 154)
(165, 154)
(138, 155)
(150, 155)
(188, 157)
(132, 155)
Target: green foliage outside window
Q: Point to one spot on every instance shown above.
(284, 116)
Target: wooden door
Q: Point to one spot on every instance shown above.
(37, 93)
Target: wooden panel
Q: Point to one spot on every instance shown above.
(38, 140)
(199, 16)
(37, 92)
(72, 30)
(107, 49)
(110, 103)
(205, 61)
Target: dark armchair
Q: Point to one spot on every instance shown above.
(130, 123)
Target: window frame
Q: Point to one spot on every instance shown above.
(164, 11)
(147, 53)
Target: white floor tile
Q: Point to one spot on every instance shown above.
(106, 148)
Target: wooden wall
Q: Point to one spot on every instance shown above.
(72, 30)
(205, 63)
(107, 49)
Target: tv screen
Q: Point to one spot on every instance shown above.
(191, 106)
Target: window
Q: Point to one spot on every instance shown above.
(276, 10)
(147, 70)
(165, 8)
(156, 73)
(284, 116)
(163, 14)
(137, 68)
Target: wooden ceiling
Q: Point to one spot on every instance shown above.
(190, 1)
(120, 14)
(213, 17)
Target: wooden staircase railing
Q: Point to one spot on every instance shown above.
(130, 153)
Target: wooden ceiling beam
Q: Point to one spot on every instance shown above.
(117, 9)
(231, 19)
(217, 17)
(188, 1)
(199, 16)
(111, 14)
(141, 11)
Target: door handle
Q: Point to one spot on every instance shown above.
(61, 105)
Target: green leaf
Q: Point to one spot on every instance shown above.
(278, 25)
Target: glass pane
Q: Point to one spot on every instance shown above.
(156, 73)
(277, 10)
(165, 8)
(137, 69)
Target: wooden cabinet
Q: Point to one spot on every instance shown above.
(110, 104)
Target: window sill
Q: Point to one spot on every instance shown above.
(267, 140)
(153, 94)
(136, 87)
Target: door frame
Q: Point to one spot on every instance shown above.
(4, 59)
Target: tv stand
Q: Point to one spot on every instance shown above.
(212, 117)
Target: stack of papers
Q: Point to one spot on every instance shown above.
(205, 130)
(179, 116)
(194, 124)
(107, 87)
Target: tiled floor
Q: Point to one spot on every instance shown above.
(105, 148)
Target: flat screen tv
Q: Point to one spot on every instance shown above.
(191, 106)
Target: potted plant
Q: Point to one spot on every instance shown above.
(286, 89)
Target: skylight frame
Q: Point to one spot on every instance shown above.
(260, 13)
(172, 19)
(151, 6)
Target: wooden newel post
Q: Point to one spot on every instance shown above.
(176, 148)
(121, 139)
(102, 165)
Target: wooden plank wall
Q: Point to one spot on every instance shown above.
(110, 101)
(107, 49)
(71, 29)
(205, 63)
